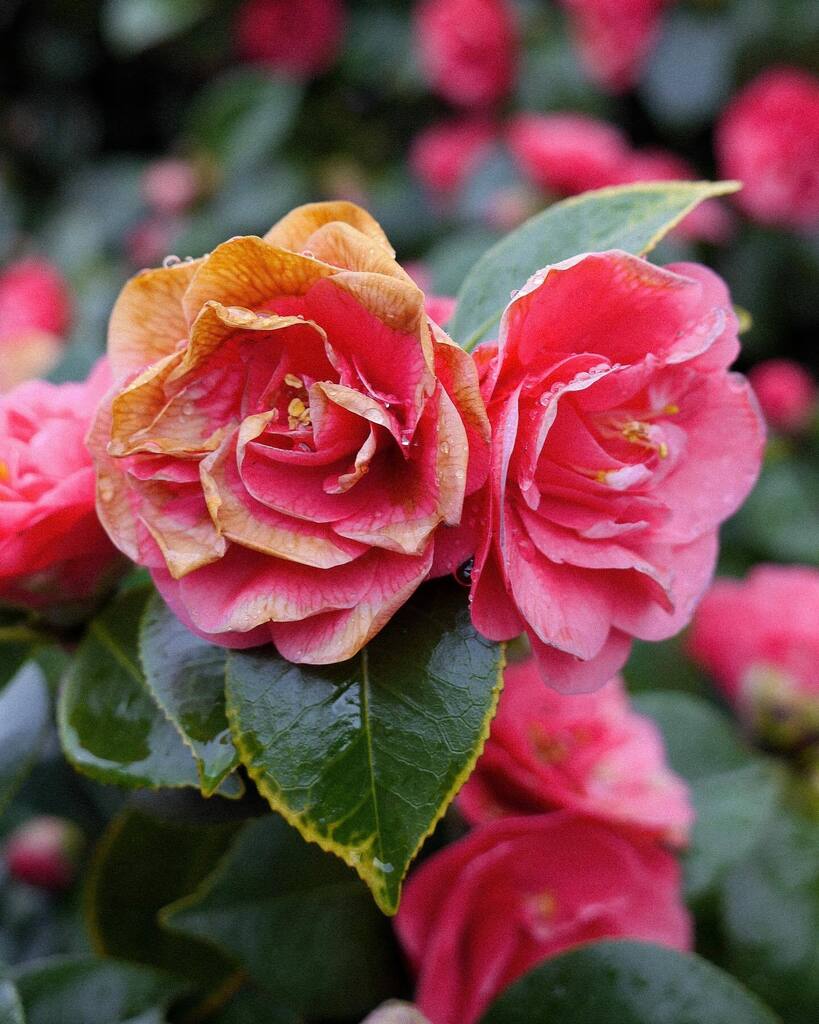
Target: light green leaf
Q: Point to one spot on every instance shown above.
(24, 708)
(364, 757)
(110, 726)
(186, 676)
(89, 990)
(627, 983)
(301, 924)
(131, 26)
(630, 217)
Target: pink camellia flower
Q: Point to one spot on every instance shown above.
(35, 309)
(170, 186)
(611, 409)
(786, 392)
(614, 37)
(759, 638)
(483, 911)
(565, 154)
(768, 138)
(287, 431)
(296, 37)
(52, 547)
(444, 155)
(44, 852)
(467, 49)
(590, 753)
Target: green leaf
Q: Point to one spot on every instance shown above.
(630, 217)
(770, 918)
(110, 726)
(11, 1009)
(298, 921)
(131, 26)
(141, 864)
(734, 791)
(252, 1005)
(24, 713)
(89, 990)
(364, 757)
(186, 676)
(627, 983)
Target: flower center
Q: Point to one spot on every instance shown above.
(5, 473)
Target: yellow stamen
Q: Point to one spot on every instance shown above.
(298, 415)
(545, 904)
(292, 381)
(4, 471)
(662, 450)
(671, 409)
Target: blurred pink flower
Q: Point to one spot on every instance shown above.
(296, 37)
(170, 185)
(610, 398)
(35, 308)
(565, 154)
(786, 392)
(614, 37)
(768, 138)
(483, 911)
(468, 49)
(590, 753)
(444, 155)
(148, 242)
(52, 546)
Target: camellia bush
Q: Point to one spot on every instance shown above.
(341, 596)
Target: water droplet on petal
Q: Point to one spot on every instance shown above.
(106, 490)
(444, 448)
(188, 409)
(171, 261)
(463, 574)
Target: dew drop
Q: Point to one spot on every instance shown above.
(171, 261)
(444, 448)
(309, 254)
(188, 409)
(405, 441)
(514, 293)
(379, 865)
(463, 574)
(106, 490)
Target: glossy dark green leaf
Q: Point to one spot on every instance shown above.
(89, 990)
(252, 1005)
(24, 708)
(627, 983)
(141, 864)
(111, 727)
(11, 1009)
(770, 918)
(630, 217)
(301, 924)
(187, 678)
(364, 757)
(734, 791)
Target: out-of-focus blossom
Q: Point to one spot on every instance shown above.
(786, 392)
(287, 432)
(52, 547)
(468, 49)
(591, 753)
(759, 638)
(296, 37)
(444, 155)
(148, 242)
(610, 400)
(768, 138)
(35, 308)
(44, 852)
(614, 37)
(480, 913)
(396, 1012)
(565, 154)
(440, 308)
(170, 186)
(507, 208)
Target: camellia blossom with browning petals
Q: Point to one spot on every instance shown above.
(35, 309)
(590, 753)
(52, 548)
(287, 432)
(480, 913)
(468, 49)
(614, 37)
(768, 138)
(620, 442)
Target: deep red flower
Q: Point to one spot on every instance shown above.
(297, 37)
(610, 404)
(768, 138)
(590, 753)
(483, 911)
(468, 49)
